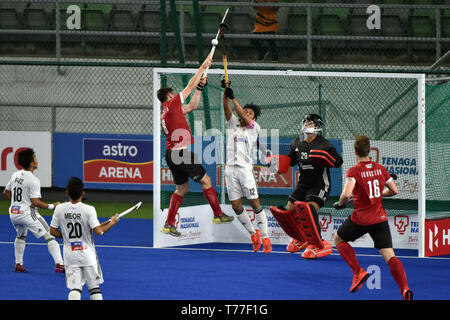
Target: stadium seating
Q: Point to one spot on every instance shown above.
(150, 21)
(122, 20)
(9, 19)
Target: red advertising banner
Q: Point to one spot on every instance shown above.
(265, 179)
(437, 237)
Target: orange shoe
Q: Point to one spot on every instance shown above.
(295, 245)
(267, 246)
(358, 280)
(256, 240)
(312, 252)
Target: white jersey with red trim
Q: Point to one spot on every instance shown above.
(76, 222)
(24, 186)
(241, 143)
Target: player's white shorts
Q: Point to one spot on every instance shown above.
(33, 222)
(76, 277)
(240, 182)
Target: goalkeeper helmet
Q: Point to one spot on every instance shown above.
(317, 122)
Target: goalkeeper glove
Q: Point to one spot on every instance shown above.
(229, 93)
(224, 83)
(338, 206)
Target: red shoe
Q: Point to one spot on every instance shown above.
(407, 294)
(59, 268)
(358, 280)
(295, 245)
(267, 246)
(312, 252)
(256, 240)
(19, 268)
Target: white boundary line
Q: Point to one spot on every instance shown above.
(229, 250)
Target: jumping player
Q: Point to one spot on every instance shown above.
(76, 222)
(242, 136)
(182, 163)
(24, 191)
(367, 181)
(314, 156)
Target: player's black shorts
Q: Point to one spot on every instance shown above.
(379, 232)
(307, 193)
(184, 165)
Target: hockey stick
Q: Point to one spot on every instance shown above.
(124, 213)
(215, 42)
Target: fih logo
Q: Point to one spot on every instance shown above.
(401, 222)
(325, 222)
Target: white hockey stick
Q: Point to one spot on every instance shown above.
(135, 207)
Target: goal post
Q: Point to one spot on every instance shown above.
(387, 107)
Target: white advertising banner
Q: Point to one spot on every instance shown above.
(12, 142)
(195, 225)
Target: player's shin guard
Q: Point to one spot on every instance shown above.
(348, 254)
(261, 221)
(54, 250)
(398, 273)
(19, 249)
(244, 219)
(211, 196)
(175, 203)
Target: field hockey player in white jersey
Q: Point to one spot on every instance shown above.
(24, 191)
(242, 137)
(77, 222)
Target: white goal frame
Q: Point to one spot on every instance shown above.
(421, 146)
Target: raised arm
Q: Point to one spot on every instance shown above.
(237, 106)
(196, 78)
(193, 104)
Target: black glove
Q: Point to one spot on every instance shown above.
(201, 86)
(229, 93)
(224, 83)
(337, 206)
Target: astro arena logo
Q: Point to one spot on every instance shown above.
(118, 161)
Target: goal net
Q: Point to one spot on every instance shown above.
(387, 107)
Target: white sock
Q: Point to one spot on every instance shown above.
(74, 295)
(96, 294)
(244, 219)
(55, 251)
(261, 222)
(19, 249)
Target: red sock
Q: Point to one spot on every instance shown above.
(348, 254)
(174, 205)
(398, 272)
(211, 196)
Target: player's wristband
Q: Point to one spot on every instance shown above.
(200, 88)
(51, 206)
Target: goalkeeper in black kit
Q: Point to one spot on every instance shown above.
(314, 156)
